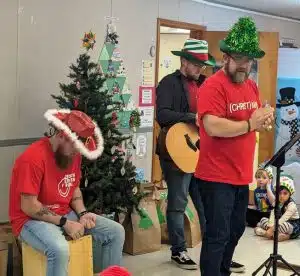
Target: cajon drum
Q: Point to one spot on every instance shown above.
(81, 259)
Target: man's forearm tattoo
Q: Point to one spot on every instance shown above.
(76, 198)
(45, 211)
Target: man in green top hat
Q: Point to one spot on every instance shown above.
(230, 113)
(176, 102)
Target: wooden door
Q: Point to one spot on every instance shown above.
(267, 83)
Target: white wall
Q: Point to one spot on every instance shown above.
(39, 39)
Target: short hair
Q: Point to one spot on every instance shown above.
(260, 172)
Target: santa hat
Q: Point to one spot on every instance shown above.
(78, 126)
(115, 271)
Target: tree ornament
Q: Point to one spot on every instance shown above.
(109, 133)
(135, 190)
(114, 118)
(111, 34)
(123, 171)
(86, 182)
(89, 40)
(75, 103)
(113, 149)
(78, 85)
(129, 154)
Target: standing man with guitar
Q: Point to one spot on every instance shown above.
(230, 113)
(176, 102)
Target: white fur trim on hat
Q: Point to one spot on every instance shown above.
(92, 155)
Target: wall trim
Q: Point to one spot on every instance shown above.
(27, 141)
(251, 11)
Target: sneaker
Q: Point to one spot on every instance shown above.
(237, 268)
(182, 260)
(260, 232)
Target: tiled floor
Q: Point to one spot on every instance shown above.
(251, 251)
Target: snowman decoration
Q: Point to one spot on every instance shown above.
(289, 122)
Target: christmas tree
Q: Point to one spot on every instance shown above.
(108, 184)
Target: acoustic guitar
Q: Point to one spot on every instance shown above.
(181, 142)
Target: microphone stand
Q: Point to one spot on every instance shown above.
(277, 161)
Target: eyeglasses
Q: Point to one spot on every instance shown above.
(241, 59)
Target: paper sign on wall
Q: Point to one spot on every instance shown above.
(140, 174)
(146, 96)
(147, 116)
(148, 73)
(141, 145)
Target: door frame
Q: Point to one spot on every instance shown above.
(196, 31)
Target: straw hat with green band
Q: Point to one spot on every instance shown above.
(243, 39)
(196, 51)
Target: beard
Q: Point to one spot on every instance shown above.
(61, 160)
(192, 77)
(239, 76)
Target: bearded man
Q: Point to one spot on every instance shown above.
(45, 201)
(229, 114)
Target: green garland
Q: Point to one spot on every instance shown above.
(243, 36)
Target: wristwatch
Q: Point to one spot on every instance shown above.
(62, 221)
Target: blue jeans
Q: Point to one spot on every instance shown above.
(108, 239)
(225, 209)
(179, 185)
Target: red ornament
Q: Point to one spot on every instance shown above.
(114, 118)
(75, 102)
(114, 115)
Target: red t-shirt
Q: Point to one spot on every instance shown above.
(193, 92)
(35, 172)
(227, 160)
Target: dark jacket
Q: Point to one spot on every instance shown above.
(172, 106)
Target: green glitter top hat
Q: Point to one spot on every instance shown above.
(242, 39)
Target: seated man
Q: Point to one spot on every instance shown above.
(46, 202)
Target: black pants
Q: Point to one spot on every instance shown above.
(254, 216)
(225, 209)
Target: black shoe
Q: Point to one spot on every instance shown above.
(182, 260)
(237, 268)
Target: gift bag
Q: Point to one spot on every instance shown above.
(161, 208)
(192, 230)
(142, 229)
